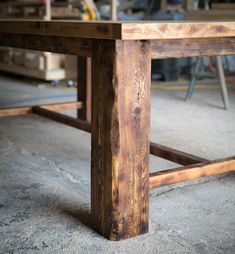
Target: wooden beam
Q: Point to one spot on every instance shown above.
(177, 30)
(72, 29)
(121, 30)
(64, 45)
(156, 179)
(6, 112)
(162, 49)
(84, 87)
(63, 106)
(120, 138)
(61, 118)
(186, 173)
(155, 149)
(17, 111)
(174, 155)
(211, 15)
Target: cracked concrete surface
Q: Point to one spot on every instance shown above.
(45, 185)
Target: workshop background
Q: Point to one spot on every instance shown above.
(44, 166)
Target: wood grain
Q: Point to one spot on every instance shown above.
(177, 30)
(17, 111)
(121, 30)
(61, 118)
(177, 48)
(64, 28)
(84, 87)
(120, 138)
(56, 44)
(186, 173)
(174, 155)
(63, 106)
(7, 112)
(155, 149)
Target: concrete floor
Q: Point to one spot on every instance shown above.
(44, 179)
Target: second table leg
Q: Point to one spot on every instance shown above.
(84, 87)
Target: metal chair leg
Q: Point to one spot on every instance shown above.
(194, 78)
(223, 85)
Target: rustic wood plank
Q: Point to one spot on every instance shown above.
(155, 149)
(84, 87)
(186, 173)
(120, 138)
(63, 106)
(23, 110)
(162, 49)
(64, 45)
(61, 118)
(122, 30)
(174, 155)
(65, 28)
(7, 112)
(177, 30)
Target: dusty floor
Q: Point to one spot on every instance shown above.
(44, 179)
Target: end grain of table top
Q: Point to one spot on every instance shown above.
(146, 30)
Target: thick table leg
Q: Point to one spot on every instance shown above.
(120, 138)
(84, 87)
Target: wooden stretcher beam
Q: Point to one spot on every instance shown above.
(6, 112)
(47, 111)
(195, 171)
(200, 168)
(61, 118)
(167, 153)
(62, 106)
(177, 48)
(174, 155)
(17, 111)
(79, 47)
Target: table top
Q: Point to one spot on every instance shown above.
(145, 30)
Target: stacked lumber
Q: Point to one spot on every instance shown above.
(31, 59)
(48, 66)
(35, 64)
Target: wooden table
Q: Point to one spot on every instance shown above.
(119, 55)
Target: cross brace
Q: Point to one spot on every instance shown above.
(193, 166)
